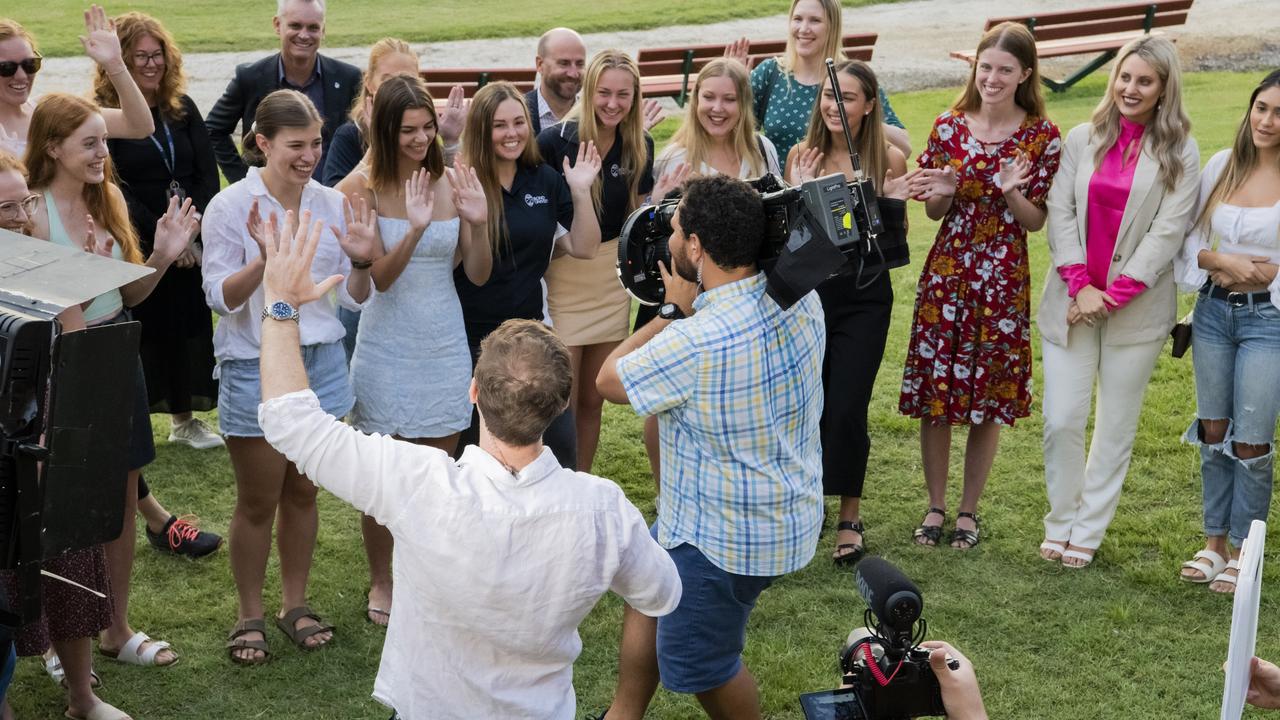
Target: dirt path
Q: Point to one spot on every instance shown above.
(911, 53)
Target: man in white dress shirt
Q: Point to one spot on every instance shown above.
(499, 555)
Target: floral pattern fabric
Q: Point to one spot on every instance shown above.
(969, 360)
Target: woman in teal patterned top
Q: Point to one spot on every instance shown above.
(786, 87)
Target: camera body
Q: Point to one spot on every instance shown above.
(814, 230)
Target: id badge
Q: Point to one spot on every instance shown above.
(175, 190)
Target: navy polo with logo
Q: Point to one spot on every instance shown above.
(538, 200)
(561, 140)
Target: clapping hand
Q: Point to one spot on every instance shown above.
(671, 180)
(100, 40)
(931, 183)
(419, 198)
(1014, 173)
(897, 188)
(739, 50)
(468, 194)
(361, 237)
(582, 174)
(10, 142)
(808, 165)
(258, 229)
(174, 230)
(289, 254)
(94, 245)
(653, 114)
(453, 116)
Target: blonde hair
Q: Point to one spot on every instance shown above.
(384, 48)
(630, 131)
(1015, 39)
(695, 139)
(832, 48)
(1169, 127)
(57, 116)
(477, 149)
(1242, 161)
(131, 27)
(399, 94)
(282, 109)
(870, 144)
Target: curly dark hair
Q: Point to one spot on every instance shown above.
(727, 216)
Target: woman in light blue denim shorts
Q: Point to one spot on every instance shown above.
(1236, 335)
(240, 388)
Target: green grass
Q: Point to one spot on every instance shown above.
(212, 25)
(1120, 639)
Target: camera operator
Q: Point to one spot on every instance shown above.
(960, 692)
(736, 383)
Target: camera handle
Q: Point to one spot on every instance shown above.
(854, 160)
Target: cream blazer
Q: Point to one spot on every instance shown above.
(1152, 229)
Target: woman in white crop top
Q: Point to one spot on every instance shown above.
(1236, 334)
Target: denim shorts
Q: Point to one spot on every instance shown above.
(700, 643)
(240, 392)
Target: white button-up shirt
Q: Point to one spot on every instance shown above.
(493, 571)
(228, 248)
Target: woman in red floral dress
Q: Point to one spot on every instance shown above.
(986, 171)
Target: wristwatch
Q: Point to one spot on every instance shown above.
(671, 311)
(280, 310)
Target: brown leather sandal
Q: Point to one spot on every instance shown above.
(237, 641)
(299, 635)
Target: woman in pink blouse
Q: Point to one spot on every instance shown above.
(1118, 211)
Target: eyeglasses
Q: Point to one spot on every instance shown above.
(30, 66)
(10, 210)
(143, 59)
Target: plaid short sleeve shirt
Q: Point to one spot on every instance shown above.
(737, 388)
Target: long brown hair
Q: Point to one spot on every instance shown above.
(630, 131)
(695, 139)
(1015, 39)
(477, 149)
(833, 48)
(384, 48)
(57, 116)
(1242, 161)
(395, 97)
(1167, 132)
(131, 27)
(280, 110)
(870, 143)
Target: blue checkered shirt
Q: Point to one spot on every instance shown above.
(737, 388)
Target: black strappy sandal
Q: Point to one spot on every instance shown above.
(856, 550)
(932, 533)
(968, 537)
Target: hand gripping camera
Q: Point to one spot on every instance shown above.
(886, 675)
(823, 227)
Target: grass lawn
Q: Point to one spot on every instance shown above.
(210, 25)
(1121, 639)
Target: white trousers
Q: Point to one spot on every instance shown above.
(1083, 494)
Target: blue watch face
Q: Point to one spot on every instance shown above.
(281, 310)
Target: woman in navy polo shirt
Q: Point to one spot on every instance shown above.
(532, 207)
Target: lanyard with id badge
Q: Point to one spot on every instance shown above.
(170, 163)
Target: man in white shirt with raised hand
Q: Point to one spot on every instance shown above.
(498, 556)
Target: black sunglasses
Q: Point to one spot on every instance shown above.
(30, 66)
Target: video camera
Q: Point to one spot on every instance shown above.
(886, 675)
(823, 227)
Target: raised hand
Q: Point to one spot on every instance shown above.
(897, 188)
(808, 165)
(468, 194)
(257, 229)
(454, 116)
(739, 50)
(289, 254)
(1014, 173)
(10, 142)
(174, 230)
(93, 244)
(671, 180)
(100, 40)
(361, 237)
(931, 183)
(582, 174)
(419, 198)
(186, 260)
(653, 114)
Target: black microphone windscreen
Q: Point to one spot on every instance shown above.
(890, 594)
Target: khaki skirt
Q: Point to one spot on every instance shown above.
(587, 302)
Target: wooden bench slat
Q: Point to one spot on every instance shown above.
(1063, 48)
(1098, 13)
(1106, 27)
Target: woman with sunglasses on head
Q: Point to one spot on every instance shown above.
(411, 369)
(857, 310)
(533, 209)
(1236, 334)
(282, 151)
(67, 161)
(20, 61)
(1118, 214)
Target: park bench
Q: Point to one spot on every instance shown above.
(666, 71)
(1102, 30)
(441, 80)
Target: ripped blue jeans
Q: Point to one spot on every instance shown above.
(1236, 355)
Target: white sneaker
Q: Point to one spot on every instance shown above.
(196, 434)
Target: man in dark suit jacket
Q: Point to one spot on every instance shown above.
(331, 84)
(561, 60)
